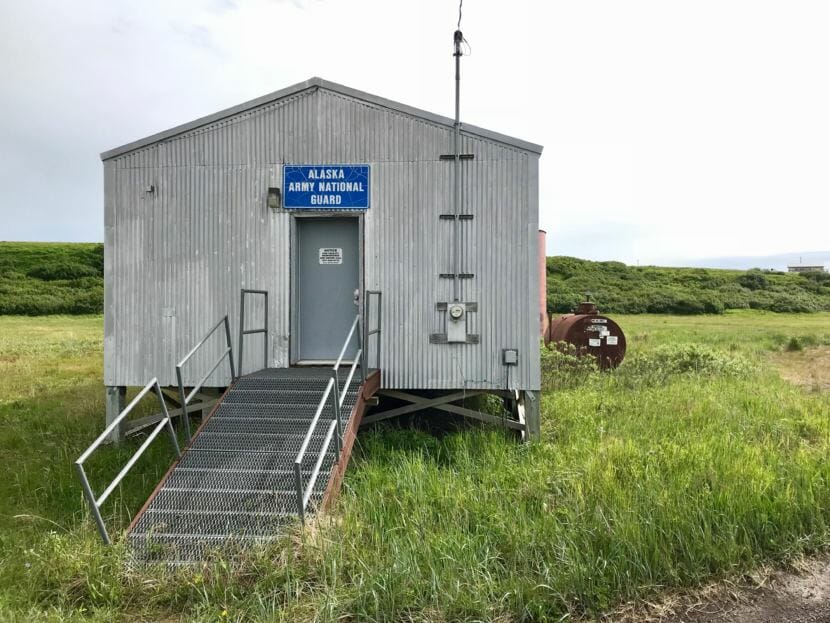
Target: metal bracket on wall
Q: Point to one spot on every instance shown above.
(460, 275)
(441, 338)
(452, 217)
(451, 157)
(471, 307)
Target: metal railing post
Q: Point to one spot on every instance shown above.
(166, 418)
(367, 324)
(380, 321)
(183, 401)
(336, 398)
(241, 330)
(227, 352)
(90, 498)
(369, 332)
(360, 349)
(230, 346)
(96, 503)
(298, 481)
(265, 338)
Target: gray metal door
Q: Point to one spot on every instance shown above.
(328, 265)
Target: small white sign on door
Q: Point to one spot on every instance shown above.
(331, 255)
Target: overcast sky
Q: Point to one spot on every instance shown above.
(672, 130)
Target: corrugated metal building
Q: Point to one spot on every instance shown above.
(188, 224)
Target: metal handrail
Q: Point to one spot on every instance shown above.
(346, 343)
(335, 371)
(357, 358)
(228, 352)
(303, 494)
(312, 480)
(243, 332)
(96, 503)
(335, 428)
(313, 424)
(369, 332)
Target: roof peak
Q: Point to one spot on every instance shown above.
(311, 83)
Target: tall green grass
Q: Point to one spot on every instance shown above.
(690, 462)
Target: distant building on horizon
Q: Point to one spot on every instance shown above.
(804, 268)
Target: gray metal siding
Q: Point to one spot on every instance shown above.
(177, 258)
(313, 83)
(403, 261)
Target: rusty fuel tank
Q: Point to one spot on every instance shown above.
(590, 334)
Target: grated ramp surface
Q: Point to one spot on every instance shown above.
(234, 485)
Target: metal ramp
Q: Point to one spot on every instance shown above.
(236, 481)
(274, 447)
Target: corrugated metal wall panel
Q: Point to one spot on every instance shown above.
(177, 258)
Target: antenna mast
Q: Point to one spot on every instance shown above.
(458, 39)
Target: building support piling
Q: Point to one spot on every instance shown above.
(116, 398)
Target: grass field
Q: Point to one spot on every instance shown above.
(693, 461)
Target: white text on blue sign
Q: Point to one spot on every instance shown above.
(326, 186)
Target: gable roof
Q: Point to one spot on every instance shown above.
(315, 83)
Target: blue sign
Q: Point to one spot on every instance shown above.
(325, 186)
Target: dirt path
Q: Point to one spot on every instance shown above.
(792, 597)
(800, 595)
(809, 367)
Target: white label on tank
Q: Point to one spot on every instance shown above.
(599, 320)
(611, 340)
(330, 255)
(593, 342)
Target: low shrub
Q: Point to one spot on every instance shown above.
(684, 359)
(625, 289)
(817, 277)
(62, 271)
(51, 278)
(562, 370)
(794, 344)
(753, 280)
